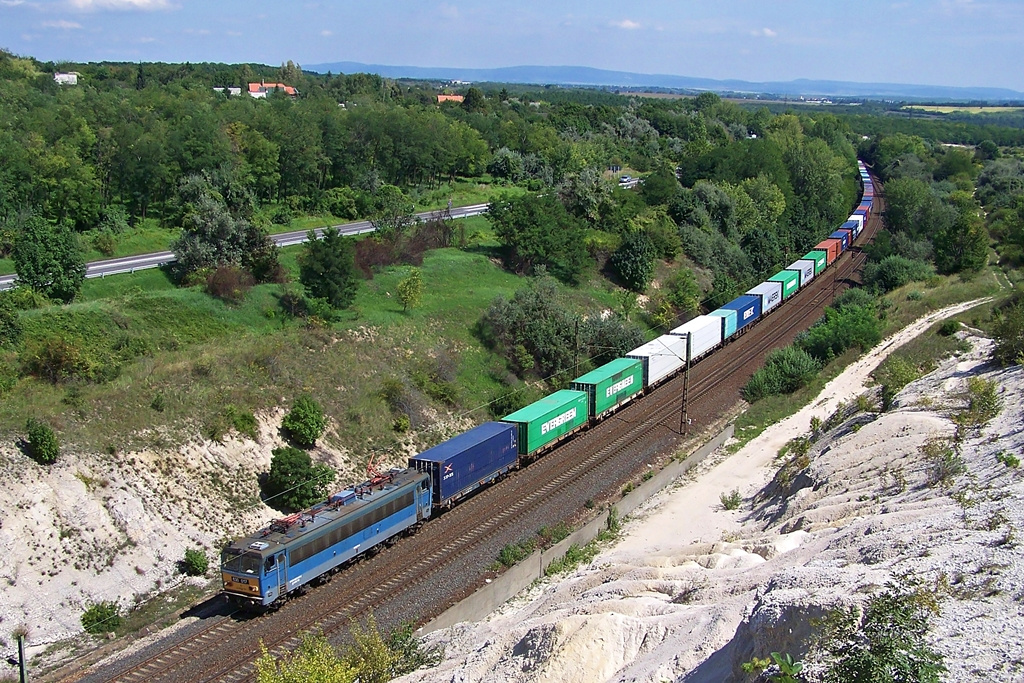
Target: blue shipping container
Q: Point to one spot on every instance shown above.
(748, 309)
(469, 460)
(852, 226)
(843, 236)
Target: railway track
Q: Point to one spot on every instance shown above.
(412, 578)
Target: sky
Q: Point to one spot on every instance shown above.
(927, 42)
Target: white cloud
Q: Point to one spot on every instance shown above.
(12, 3)
(325, 33)
(146, 5)
(627, 24)
(61, 24)
(764, 32)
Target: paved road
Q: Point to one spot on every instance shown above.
(129, 264)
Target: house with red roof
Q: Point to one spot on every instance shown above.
(260, 90)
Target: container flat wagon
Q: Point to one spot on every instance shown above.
(661, 357)
(611, 385)
(468, 461)
(803, 269)
(747, 308)
(844, 239)
(703, 334)
(770, 293)
(831, 249)
(542, 423)
(790, 280)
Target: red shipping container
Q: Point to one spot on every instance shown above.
(831, 248)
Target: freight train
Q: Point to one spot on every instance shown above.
(261, 570)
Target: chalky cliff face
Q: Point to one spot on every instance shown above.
(693, 591)
(97, 527)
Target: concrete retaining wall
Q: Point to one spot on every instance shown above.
(491, 596)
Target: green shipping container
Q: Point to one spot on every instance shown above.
(790, 280)
(819, 256)
(548, 419)
(611, 384)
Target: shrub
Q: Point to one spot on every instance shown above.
(101, 617)
(785, 370)
(893, 272)
(10, 322)
(306, 422)
(840, 330)
(731, 500)
(1008, 459)
(294, 482)
(946, 464)
(43, 446)
(634, 261)
(105, 243)
(195, 563)
(949, 327)
(1009, 333)
(885, 642)
(855, 296)
(229, 283)
(893, 374)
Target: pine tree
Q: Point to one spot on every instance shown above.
(327, 269)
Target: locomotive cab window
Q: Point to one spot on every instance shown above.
(269, 564)
(240, 562)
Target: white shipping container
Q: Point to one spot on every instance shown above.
(805, 267)
(859, 220)
(705, 333)
(661, 357)
(770, 293)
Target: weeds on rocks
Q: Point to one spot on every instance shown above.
(946, 464)
(731, 500)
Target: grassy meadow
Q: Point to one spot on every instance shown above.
(170, 364)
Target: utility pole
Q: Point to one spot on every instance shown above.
(576, 349)
(22, 667)
(684, 420)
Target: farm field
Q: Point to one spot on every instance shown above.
(949, 109)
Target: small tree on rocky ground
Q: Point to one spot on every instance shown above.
(43, 446)
(195, 563)
(306, 421)
(101, 617)
(294, 482)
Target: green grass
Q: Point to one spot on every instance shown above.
(147, 237)
(938, 292)
(205, 358)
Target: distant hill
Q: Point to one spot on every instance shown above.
(581, 75)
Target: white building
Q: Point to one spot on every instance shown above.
(70, 78)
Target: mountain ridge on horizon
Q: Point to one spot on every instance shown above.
(590, 76)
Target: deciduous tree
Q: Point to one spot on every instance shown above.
(48, 258)
(294, 482)
(410, 290)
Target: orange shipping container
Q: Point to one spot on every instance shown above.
(831, 247)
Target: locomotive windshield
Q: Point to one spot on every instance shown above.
(240, 562)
